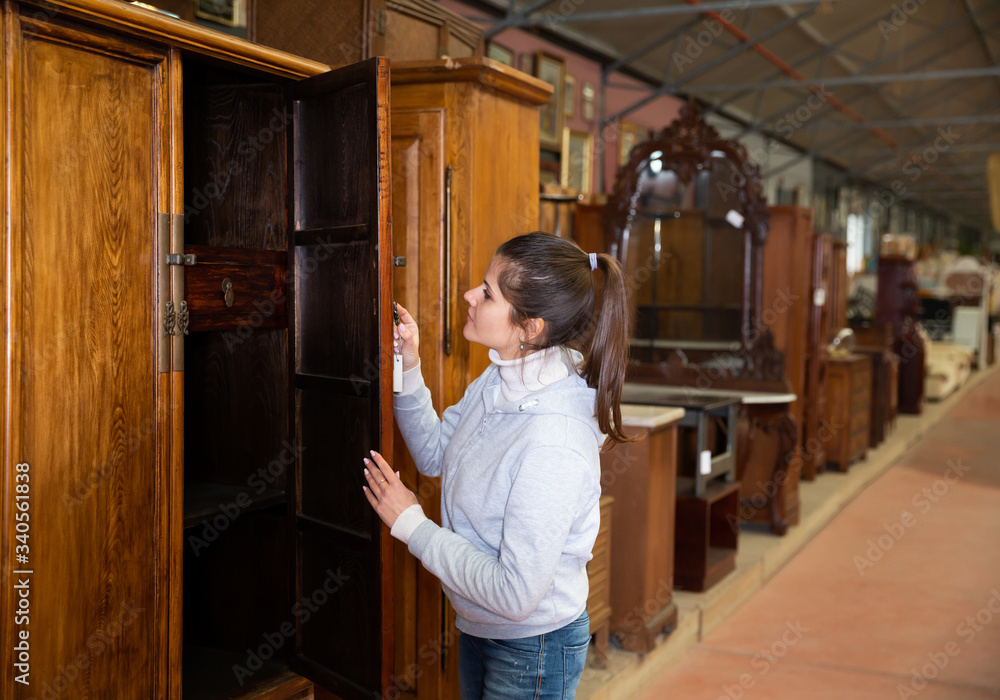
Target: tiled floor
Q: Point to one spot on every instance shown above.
(897, 597)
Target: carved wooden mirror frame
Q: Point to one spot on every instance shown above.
(690, 146)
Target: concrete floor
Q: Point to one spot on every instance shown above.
(889, 588)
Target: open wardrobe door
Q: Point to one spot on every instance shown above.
(341, 396)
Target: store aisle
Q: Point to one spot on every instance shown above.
(898, 597)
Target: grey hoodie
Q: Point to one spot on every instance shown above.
(519, 502)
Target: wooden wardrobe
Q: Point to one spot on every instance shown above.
(196, 260)
(786, 286)
(464, 180)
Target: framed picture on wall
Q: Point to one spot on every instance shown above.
(569, 108)
(587, 102)
(631, 135)
(551, 69)
(577, 159)
(500, 54)
(228, 12)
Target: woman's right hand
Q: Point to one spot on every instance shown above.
(407, 339)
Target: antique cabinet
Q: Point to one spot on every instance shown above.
(786, 288)
(197, 274)
(351, 30)
(641, 477)
(899, 306)
(878, 419)
(599, 577)
(840, 288)
(465, 155)
(814, 437)
(849, 384)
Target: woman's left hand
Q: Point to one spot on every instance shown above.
(387, 494)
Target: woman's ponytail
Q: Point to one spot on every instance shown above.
(543, 276)
(606, 360)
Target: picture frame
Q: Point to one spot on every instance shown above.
(587, 95)
(552, 70)
(500, 53)
(228, 12)
(577, 160)
(629, 136)
(569, 96)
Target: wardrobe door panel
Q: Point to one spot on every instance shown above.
(338, 216)
(84, 408)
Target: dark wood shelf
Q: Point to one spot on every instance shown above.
(203, 501)
(208, 673)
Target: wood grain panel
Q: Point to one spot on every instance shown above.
(86, 413)
(418, 181)
(234, 160)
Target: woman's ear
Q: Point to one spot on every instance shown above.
(535, 328)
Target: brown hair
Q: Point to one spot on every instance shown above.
(543, 276)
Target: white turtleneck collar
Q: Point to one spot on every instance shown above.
(522, 376)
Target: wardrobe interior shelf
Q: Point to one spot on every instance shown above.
(204, 501)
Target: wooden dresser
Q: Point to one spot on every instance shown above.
(599, 575)
(641, 476)
(848, 384)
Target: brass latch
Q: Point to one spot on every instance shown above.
(181, 259)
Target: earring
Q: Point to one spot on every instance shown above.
(522, 343)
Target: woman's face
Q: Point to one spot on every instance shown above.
(488, 322)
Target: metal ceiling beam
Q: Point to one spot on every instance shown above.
(907, 123)
(957, 148)
(659, 11)
(829, 48)
(923, 76)
(512, 19)
(990, 57)
(743, 47)
(871, 66)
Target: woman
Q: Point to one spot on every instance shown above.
(519, 458)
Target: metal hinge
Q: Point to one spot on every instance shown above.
(181, 259)
(176, 322)
(399, 261)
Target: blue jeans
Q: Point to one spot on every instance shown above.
(545, 667)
